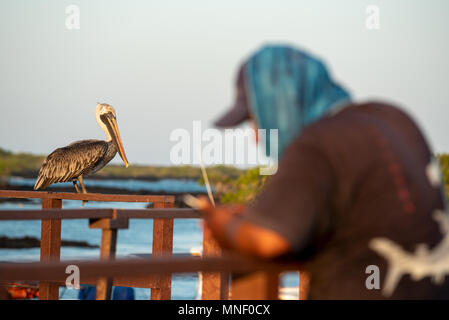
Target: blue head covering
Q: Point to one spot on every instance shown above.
(288, 89)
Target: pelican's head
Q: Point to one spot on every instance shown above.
(107, 120)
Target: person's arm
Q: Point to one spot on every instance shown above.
(232, 232)
(291, 211)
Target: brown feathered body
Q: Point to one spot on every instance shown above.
(79, 158)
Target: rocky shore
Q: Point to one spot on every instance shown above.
(32, 242)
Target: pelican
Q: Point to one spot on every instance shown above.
(83, 157)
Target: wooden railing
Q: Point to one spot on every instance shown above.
(154, 273)
(258, 278)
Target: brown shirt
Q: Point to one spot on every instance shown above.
(348, 178)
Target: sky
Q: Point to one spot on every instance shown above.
(164, 64)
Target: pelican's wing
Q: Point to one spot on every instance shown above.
(67, 163)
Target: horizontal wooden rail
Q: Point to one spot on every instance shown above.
(110, 221)
(85, 196)
(171, 213)
(39, 214)
(55, 271)
(33, 214)
(138, 281)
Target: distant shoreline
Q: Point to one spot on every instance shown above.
(33, 242)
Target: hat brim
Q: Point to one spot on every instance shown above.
(235, 116)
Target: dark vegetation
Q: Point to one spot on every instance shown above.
(444, 165)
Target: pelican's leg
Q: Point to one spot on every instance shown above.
(80, 179)
(76, 186)
(83, 188)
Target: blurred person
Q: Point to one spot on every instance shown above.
(348, 173)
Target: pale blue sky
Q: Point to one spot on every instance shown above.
(163, 64)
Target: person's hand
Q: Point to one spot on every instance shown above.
(248, 238)
(216, 218)
(205, 206)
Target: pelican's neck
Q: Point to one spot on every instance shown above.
(103, 127)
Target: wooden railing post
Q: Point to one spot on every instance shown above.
(162, 246)
(304, 282)
(107, 252)
(50, 247)
(215, 285)
(256, 286)
(108, 248)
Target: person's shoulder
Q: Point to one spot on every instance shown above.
(380, 109)
(330, 125)
(348, 114)
(344, 121)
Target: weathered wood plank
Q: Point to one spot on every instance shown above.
(55, 214)
(215, 285)
(304, 282)
(85, 196)
(146, 281)
(162, 246)
(160, 213)
(55, 271)
(256, 286)
(118, 223)
(168, 213)
(50, 248)
(107, 253)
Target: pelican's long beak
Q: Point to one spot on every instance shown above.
(111, 124)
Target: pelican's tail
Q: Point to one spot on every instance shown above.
(40, 183)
